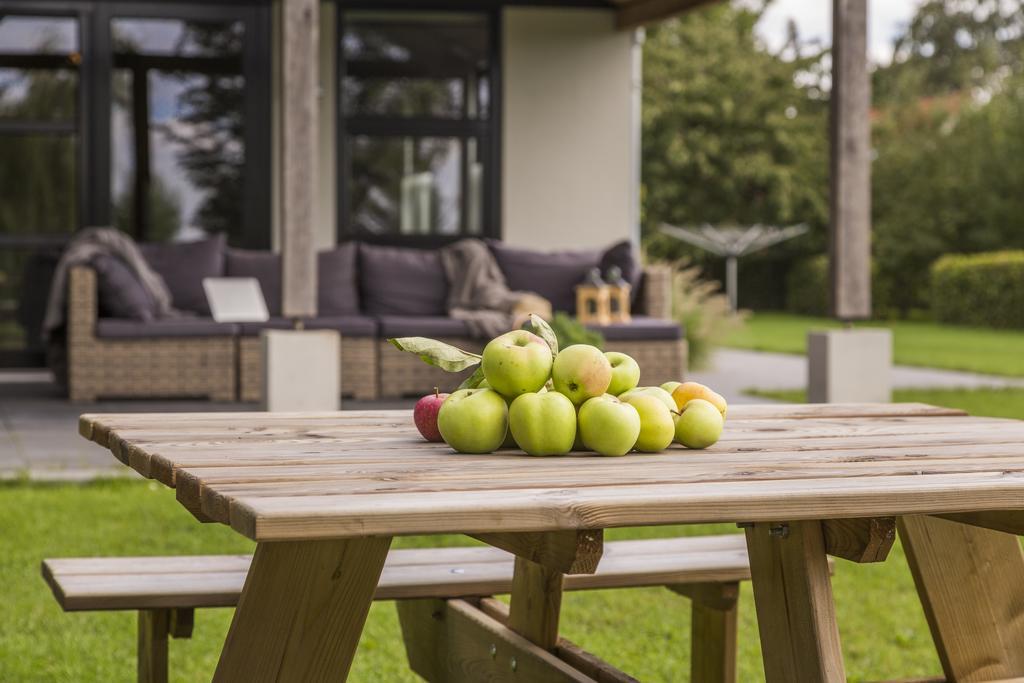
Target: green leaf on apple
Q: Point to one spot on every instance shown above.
(473, 381)
(437, 353)
(540, 327)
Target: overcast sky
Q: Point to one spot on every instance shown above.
(814, 20)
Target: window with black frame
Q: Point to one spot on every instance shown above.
(417, 127)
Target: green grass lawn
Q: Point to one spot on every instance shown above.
(997, 352)
(987, 402)
(645, 632)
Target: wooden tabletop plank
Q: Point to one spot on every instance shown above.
(347, 474)
(270, 518)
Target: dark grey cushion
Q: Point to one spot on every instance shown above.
(183, 265)
(265, 266)
(117, 328)
(641, 329)
(554, 275)
(401, 281)
(347, 325)
(338, 291)
(421, 326)
(622, 255)
(120, 293)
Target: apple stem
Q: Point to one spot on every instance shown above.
(437, 394)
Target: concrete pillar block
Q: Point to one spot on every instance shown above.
(301, 370)
(849, 366)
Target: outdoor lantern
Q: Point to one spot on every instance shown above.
(593, 300)
(619, 296)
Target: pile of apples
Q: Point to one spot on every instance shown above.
(579, 399)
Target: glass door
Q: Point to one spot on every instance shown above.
(152, 117)
(40, 93)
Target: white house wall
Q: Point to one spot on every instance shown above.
(568, 157)
(569, 122)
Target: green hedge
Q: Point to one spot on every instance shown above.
(984, 289)
(807, 286)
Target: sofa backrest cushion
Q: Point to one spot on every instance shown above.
(554, 275)
(338, 289)
(401, 281)
(265, 266)
(183, 265)
(120, 294)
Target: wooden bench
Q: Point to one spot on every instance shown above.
(430, 583)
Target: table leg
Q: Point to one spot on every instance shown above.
(793, 596)
(302, 610)
(971, 584)
(536, 602)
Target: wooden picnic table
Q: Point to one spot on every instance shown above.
(323, 494)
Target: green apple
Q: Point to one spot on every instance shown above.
(543, 424)
(656, 392)
(699, 425)
(473, 420)
(670, 387)
(687, 391)
(625, 372)
(517, 362)
(657, 429)
(581, 372)
(609, 426)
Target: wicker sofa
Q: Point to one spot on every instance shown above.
(384, 292)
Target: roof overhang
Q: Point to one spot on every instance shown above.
(634, 13)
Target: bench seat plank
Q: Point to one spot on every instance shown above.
(131, 583)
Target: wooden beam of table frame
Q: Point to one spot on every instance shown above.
(454, 640)
(971, 584)
(1007, 521)
(302, 610)
(866, 539)
(591, 665)
(713, 618)
(795, 610)
(536, 602)
(576, 551)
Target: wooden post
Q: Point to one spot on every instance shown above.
(299, 154)
(793, 595)
(536, 602)
(302, 610)
(713, 631)
(850, 141)
(154, 625)
(971, 583)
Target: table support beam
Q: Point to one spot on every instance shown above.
(302, 610)
(793, 595)
(865, 539)
(569, 552)
(1007, 521)
(971, 584)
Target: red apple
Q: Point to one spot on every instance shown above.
(425, 415)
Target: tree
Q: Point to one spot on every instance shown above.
(732, 132)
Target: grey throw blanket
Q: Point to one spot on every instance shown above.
(479, 294)
(80, 251)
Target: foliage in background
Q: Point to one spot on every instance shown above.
(703, 311)
(979, 289)
(732, 133)
(570, 331)
(807, 286)
(736, 133)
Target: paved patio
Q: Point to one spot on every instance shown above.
(39, 428)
